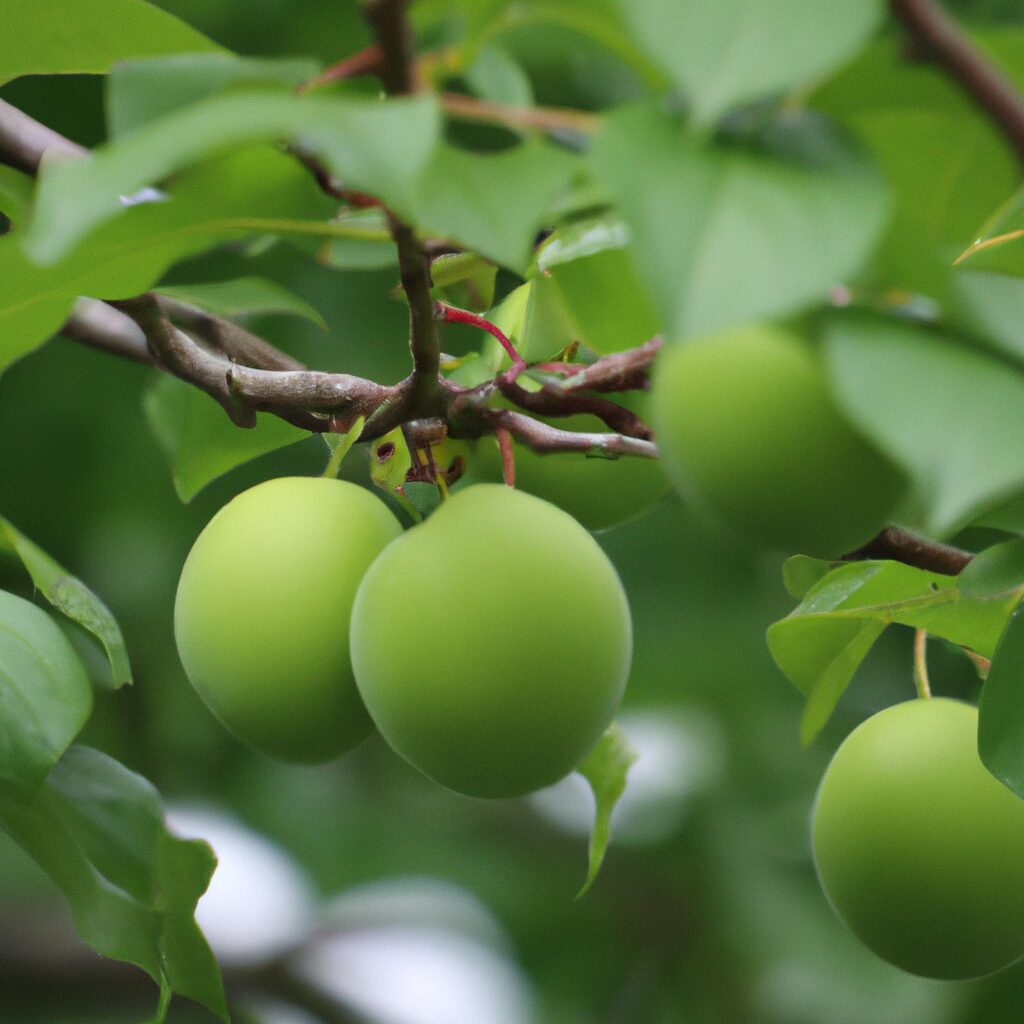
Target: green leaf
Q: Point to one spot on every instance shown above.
(70, 596)
(81, 37)
(492, 203)
(593, 269)
(242, 296)
(362, 242)
(255, 190)
(494, 75)
(999, 243)
(376, 145)
(141, 91)
(996, 570)
(905, 387)
(989, 307)
(339, 445)
(801, 572)
(732, 51)
(464, 279)
(15, 193)
(606, 768)
(821, 643)
(45, 696)
(98, 830)
(199, 440)
(1001, 709)
(755, 231)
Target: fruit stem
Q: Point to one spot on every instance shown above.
(924, 689)
(454, 315)
(508, 456)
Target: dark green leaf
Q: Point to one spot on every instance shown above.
(61, 37)
(733, 51)
(98, 830)
(199, 440)
(381, 146)
(72, 597)
(949, 416)
(242, 296)
(141, 91)
(1001, 710)
(801, 572)
(45, 696)
(753, 232)
(606, 768)
(15, 193)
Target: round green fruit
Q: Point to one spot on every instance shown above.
(748, 429)
(262, 611)
(919, 849)
(492, 643)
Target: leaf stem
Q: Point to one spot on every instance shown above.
(924, 689)
(454, 315)
(508, 455)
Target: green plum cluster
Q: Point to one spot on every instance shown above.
(490, 645)
(749, 432)
(918, 848)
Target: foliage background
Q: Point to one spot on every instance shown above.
(707, 908)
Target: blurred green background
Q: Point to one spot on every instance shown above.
(410, 904)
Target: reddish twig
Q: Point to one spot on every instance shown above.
(454, 315)
(366, 62)
(508, 456)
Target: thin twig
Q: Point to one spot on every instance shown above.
(950, 47)
(924, 687)
(508, 456)
(23, 141)
(546, 119)
(544, 438)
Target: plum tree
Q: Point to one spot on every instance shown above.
(262, 610)
(513, 653)
(918, 848)
(749, 431)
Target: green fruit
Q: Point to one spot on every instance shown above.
(748, 429)
(261, 616)
(919, 849)
(491, 644)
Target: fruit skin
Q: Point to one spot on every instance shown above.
(919, 849)
(262, 610)
(492, 643)
(748, 429)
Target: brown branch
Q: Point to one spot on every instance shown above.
(546, 119)
(23, 140)
(396, 66)
(947, 44)
(903, 546)
(545, 439)
(620, 371)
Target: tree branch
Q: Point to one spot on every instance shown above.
(545, 439)
(23, 140)
(903, 546)
(546, 119)
(951, 48)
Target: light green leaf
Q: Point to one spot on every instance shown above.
(70, 596)
(732, 51)
(494, 75)
(15, 193)
(141, 91)
(339, 445)
(464, 279)
(822, 642)
(801, 572)
(242, 296)
(606, 768)
(362, 241)
(1001, 709)
(45, 696)
(951, 417)
(594, 271)
(255, 190)
(98, 830)
(468, 197)
(999, 243)
(199, 440)
(377, 145)
(82, 37)
(727, 234)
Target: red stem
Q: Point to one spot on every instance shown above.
(508, 456)
(454, 315)
(365, 62)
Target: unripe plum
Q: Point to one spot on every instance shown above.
(262, 611)
(492, 643)
(748, 429)
(919, 849)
